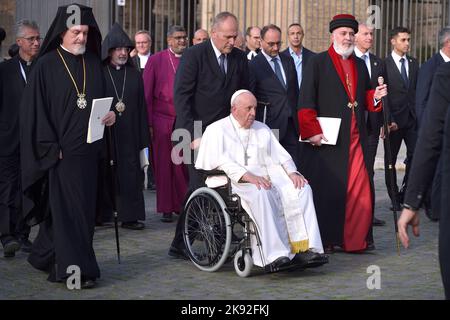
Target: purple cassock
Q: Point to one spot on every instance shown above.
(171, 179)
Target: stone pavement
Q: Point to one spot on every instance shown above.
(147, 272)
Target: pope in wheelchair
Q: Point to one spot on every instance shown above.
(278, 220)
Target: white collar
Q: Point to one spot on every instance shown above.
(144, 56)
(216, 51)
(444, 56)
(269, 58)
(397, 58)
(176, 55)
(359, 53)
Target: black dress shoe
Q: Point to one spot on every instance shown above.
(25, 245)
(178, 253)
(167, 217)
(329, 249)
(378, 222)
(134, 225)
(310, 259)
(278, 264)
(370, 247)
(88, 283)
(10, 248)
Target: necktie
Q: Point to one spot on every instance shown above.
(365, 57)
(222, 64)
(403, 72)
(278, 71)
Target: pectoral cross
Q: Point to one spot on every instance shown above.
(246, 157)
(351, 105)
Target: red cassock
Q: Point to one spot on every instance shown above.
(338, 88)
(171, 179)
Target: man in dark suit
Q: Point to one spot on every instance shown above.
(13, 78)
(363, 43)
(401, 74)
(433, 140)
(296, 50)
(424, 82)
(253, 40)
(208, 75)
(273, 81)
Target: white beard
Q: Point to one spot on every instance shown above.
(79, 50)
(345, 53)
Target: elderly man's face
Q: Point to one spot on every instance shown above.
(244, 109)
(143, 43)
(344, 37)
(119, 56)
(75, 39)
(29, 43)
(199, 37)
(364, 38)
(224, 35)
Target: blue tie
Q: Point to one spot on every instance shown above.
(278, 71)
(403, 72)
(222, 64)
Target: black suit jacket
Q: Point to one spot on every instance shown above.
(375, 119)
(267, 88)
(12, 86)
(424, 81)
(306, 55)
(201, 91)
(400, 98)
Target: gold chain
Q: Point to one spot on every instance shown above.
(71, 77)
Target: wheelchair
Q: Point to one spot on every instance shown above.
(217, 229)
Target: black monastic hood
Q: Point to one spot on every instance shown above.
(59, 25)
(116, 38)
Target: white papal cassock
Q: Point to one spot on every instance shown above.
(285, 216)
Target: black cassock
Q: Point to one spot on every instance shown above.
(129, 137)
(61, 194)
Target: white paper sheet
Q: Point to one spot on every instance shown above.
(100, 108)
(330, 128)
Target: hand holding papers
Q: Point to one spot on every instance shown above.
(100, 108)
(330, 128)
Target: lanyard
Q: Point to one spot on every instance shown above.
(23, 72)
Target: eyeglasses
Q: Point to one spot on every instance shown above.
(183, 38)
(273, 44)
(32, 39)
(122, 49)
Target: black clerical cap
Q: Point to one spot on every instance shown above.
(116, 38)
(64, 18)
(344, 20)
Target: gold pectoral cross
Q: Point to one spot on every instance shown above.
(354, 104)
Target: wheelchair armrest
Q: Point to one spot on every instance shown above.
(212, 173)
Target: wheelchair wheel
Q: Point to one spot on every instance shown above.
(243, 263)
(207, 229)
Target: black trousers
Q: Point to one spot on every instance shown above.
(290, 142)
(409, 135)
(12, 224)
(196, 180)
(372, 146)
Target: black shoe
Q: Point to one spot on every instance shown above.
(378, 222)
(370, 247)
(134, 225)
(10, 248)
(310, 259)
(167, 217)
(278, 264)
(88, 283)
(25, 245)
(178, 253)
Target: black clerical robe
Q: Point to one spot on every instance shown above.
(338, 174)
(130, 135)
(13, 75)
(60, 193)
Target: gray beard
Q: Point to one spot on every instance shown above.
(79, 50)
(345, 53)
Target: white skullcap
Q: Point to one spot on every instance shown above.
(237, 94)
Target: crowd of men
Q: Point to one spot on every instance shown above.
(50, 175)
